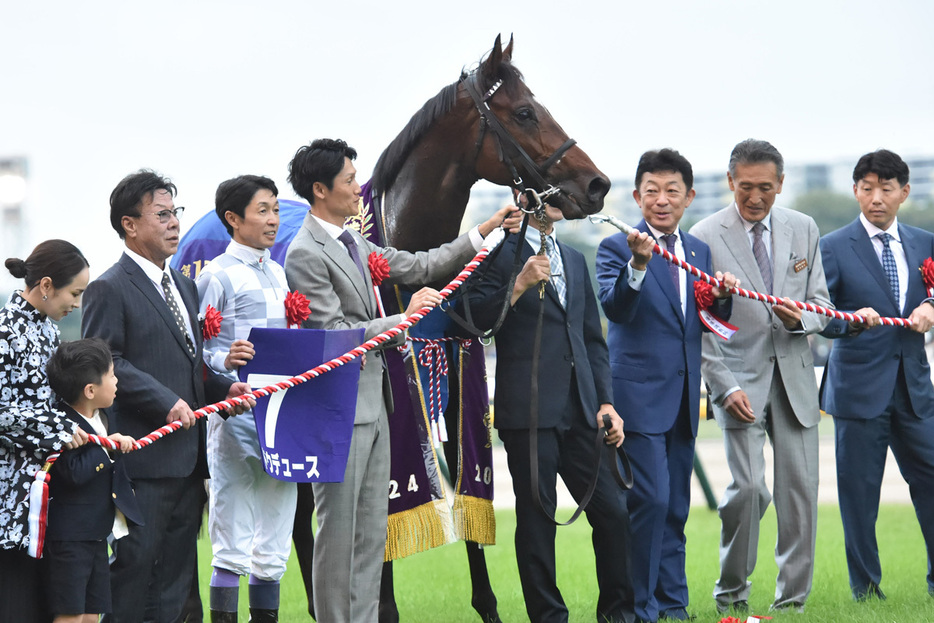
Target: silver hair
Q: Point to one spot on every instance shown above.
(752, 151)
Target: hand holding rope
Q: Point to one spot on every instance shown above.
(750, 294)
(327, 366)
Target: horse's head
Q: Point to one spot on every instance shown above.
(519, 137)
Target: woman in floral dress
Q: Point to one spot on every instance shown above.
(56, 274)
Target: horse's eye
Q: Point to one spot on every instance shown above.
(524, 114)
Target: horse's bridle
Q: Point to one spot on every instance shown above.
(509, 148)
(535, 207)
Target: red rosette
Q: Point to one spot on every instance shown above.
(379, 267)
(296, 308)
(927, 273)
(703, 295)
(211, 325)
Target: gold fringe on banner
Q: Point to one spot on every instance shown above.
(419, 529)
(474, 519)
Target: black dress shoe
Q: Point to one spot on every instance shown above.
(872, 591)
(676, 614)
(737, 606)
(791, 606)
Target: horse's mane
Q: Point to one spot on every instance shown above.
(393, 157)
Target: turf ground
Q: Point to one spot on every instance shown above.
(434, 587)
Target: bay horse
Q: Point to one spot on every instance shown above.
(486, 125)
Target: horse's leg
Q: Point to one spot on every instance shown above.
(388, 612)
(482, 597)
(304, 539)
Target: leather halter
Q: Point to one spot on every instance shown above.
(509, 148)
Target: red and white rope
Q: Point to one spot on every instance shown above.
(433, 357)
(750, 294)
(347, 357)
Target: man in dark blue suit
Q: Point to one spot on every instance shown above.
(654, 340)
(878, 383)
(574, 392)
(148, 315)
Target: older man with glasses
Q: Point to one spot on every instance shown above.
(147, 313)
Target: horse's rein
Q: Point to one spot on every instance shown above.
(536, 207)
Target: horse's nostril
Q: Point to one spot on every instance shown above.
(598, 188)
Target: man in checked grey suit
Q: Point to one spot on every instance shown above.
(762, 380)
(328, 264)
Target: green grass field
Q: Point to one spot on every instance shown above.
(434, 587)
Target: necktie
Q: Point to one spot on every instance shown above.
(351, 245)
(888, 262)
(176, 312)
(762, 256)
(670, 240)
(557, 270)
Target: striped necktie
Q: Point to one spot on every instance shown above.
(176, 312)
(762, 256)
(557, 270)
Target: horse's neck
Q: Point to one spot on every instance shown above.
(425, 205)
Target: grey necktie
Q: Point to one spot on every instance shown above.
(557, 270)
(888, 262)
(176, 312)
(762, 256)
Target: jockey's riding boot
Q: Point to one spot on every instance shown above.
(219, 616)
(258, 615)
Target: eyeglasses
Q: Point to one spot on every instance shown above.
(165, 216)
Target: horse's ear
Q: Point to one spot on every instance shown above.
(507, 53)
(490, 67)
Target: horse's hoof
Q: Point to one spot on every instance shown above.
(486, 608)
(388, 613)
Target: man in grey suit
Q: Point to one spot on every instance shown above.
(328, 264)
(148, 315)
(762, 380)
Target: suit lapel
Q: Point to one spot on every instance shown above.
(914, 256)
(736, 239)
(572, 275)
(862, 247)
(76, 417)
(337, 252)
(148, 289)
(690, 256)
(781, 250)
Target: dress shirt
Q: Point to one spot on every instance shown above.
(898, 252)
(155, 276)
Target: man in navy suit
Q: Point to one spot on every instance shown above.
(654, 339)
(574, 392)
(878, 382)
(147, 314)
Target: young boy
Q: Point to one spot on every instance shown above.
(85, 485)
